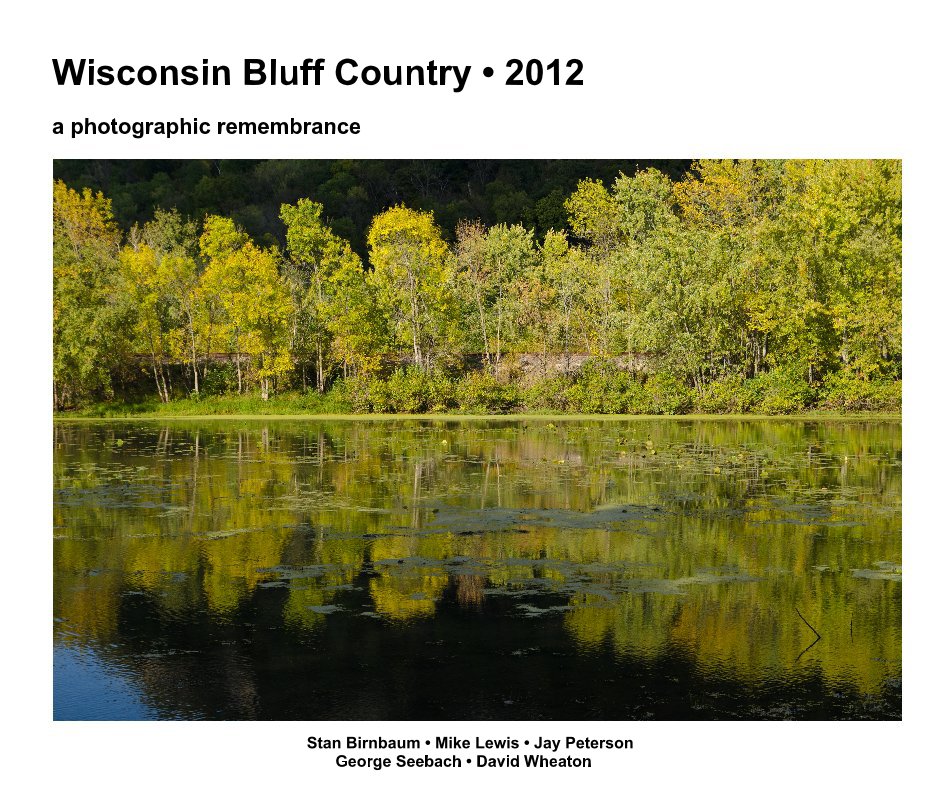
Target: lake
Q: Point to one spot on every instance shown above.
(506, 568)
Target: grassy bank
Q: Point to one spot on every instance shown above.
(581, 402)
(598, 388)
(214, 406)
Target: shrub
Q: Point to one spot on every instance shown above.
(849, 393)
(409, 390)
(336, 400)
(356, 390)
(601, 387)
(782, 391)
(617, 392)
(636, 400)
(549, 393)
(583, 397)
(668, 395)
(482, 392)
(441, 393)
(724, 396)
(219, 379)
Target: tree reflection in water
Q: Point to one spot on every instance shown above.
(509, 568)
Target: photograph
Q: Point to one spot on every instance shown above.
(477, 439)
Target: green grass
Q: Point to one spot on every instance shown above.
(212, 406)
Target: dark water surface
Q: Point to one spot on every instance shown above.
(499, 569)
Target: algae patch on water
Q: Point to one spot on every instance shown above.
(883, 570)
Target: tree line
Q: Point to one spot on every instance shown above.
(352, 191)
(746, 285)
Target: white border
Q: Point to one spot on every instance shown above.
(827, 79)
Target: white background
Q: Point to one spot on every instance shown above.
(670, 80)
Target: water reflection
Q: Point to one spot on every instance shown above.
(482, 569)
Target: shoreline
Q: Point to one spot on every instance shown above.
(803, 416)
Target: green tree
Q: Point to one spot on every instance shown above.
(411, 274)
(147, 291)
(255, 300)
(566, 271)
(220, 243)
(356, 323)
(489, 264)
(174, 241)
(682, 295)
(316, 258)
(88, 308)
(772, 283)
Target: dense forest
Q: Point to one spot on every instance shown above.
(730, 286)
(352, 191)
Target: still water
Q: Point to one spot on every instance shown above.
(477, 569)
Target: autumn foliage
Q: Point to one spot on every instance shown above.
(770, 286)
